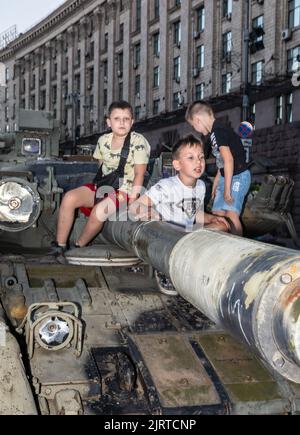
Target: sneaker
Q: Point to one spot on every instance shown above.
(164, 284)
(57, 249)
(74, 245)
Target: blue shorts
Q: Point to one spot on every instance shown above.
(240, 185)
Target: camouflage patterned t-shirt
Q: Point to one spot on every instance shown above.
(139, 153)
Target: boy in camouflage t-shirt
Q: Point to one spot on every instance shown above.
(108, 152)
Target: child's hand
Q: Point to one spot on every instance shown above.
(222, 220)
(141, 212)
(213, 193)
(228, 198)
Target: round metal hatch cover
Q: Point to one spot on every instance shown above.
(20, 204)
(101, 255)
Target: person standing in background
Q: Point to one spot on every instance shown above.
(233, 179)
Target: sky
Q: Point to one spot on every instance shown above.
(25, 13)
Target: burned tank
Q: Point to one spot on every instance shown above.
(98, 336)
(33, 178)
(147, 320)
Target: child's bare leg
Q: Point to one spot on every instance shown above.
(98, 216)
(80, 197)
(218, 226)
(234, 217)
(235, 221)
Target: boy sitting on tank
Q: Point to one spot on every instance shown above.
(123, 157)
(180, 199)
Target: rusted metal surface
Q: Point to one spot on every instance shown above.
(178, 374)
(235, 282)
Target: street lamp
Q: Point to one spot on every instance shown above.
(73, 99)
(246, 61)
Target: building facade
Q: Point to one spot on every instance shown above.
(159, 55)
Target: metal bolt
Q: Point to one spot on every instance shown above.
(48, 391)
(286, 278)
(279, 362)
(14, 203)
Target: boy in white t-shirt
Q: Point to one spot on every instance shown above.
(180, 199)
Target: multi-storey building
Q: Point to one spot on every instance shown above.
(159, 55)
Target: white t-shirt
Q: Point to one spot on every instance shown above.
(176, 202)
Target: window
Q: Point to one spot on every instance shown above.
(293, 59)
(257, 73)
(156, 77)
(42, 100)
(226, 44)
(78, 57)
(257, 34)
(137, 55)
(105, 97)
(200, 19)
(23, 86)
(91, 98)
(156, 44)
(120, 91)
(138, 17)
(284, 109)
(43, 77)
(156, 9)
(137, 87)
(121, 32)
(177, 3)
(289, 108)
(137, 112)
(177, 100)
(105, 70)
(279, 110)
(226, 83)
(54, 71)
(32, 102)
(155, 107)
(120, 65)
(65, 88)
(252, 114)
(91, 77)
(294, 13)
(200, 57)
(54, 94)
(92, 50)
(77, 83)
(6, 74)
(200, 91)
(176, 69)
(106, 42)
(227, 8)
(177, 33)
(32, 81)
(65, 65)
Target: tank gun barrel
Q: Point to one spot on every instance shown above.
(249, 288)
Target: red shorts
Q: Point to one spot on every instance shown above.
(118, 197)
